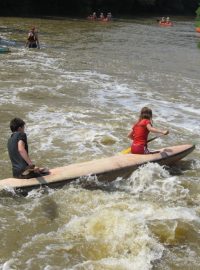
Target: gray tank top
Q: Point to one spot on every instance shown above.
(18, 163)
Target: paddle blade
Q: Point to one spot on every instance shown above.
(126, 151)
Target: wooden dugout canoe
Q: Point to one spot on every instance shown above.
(106, 169)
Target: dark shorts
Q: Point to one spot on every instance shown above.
(32, 45)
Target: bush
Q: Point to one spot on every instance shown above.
(198, 17)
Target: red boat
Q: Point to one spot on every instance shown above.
(198, 29)
(166, 23)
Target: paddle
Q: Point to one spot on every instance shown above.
(128, 150)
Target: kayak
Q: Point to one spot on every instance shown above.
(165, 24)
(98, 19)
(105, 169)
(5, 42)
(198, 29)
(4, 50)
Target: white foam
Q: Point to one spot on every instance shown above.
(172, 213)
(8, 264)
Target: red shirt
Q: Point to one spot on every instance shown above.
(140, 132)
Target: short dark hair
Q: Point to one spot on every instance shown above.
(16, 123)
(145, 113)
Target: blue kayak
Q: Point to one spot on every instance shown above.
(4, 50)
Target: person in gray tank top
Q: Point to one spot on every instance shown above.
(22, 166)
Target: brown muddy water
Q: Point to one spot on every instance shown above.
(79, 95)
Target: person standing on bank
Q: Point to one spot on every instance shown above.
(22, 165)
(140, 131)
(32, 40)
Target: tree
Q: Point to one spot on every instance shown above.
(198, 17)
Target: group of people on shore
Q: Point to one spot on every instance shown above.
(101, 17)
(24, 168)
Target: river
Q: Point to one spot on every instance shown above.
(79, 96)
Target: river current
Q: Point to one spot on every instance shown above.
(79, 96)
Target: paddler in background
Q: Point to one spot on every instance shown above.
(32, 40)
(22, 166)
(168, 20)
(162, 21)
(109, 16)
(101, 17)
(140, 131)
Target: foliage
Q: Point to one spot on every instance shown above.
(85, 7)
(198, 17)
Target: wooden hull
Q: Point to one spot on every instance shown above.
(106, 169)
